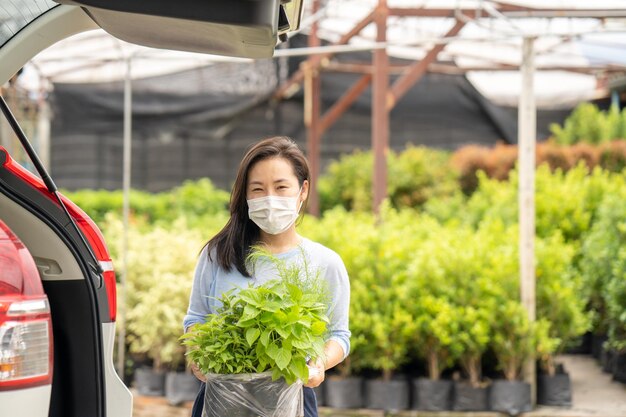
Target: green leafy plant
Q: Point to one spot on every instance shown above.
(473, 339)
(415, 175)
(158, 281)
(434, 331)
(590, 124)
(273, 327)
(195, 200)
(513, 337)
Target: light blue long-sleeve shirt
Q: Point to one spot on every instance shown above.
(211, 281)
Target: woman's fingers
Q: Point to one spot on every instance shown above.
(197, 372)
(316, 374)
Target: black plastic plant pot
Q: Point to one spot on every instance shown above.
(619, 367)
(181, 387)
(606, 360)
(344, 392)
(512, 397)
(320, 395)
(150, 383)
(554, 390)
(432, 395)
(465, 397)
(597, 345)
(387, 395)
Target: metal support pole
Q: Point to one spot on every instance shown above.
(312, 106)
(527, 134)
(43, 131)
(380, 116)
(121, 346)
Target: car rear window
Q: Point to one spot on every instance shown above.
(17, 14)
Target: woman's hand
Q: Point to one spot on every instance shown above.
(317, 373)
(197, 372)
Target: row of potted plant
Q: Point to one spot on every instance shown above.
(447, 294)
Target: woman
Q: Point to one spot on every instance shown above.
(269, 194)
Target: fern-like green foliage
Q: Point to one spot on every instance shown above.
(272, 327)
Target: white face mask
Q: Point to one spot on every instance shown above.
(274, 214)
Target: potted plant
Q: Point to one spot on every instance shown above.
(559, 302)
(433, 335)
(254, 350)
(512, 343)
(386, 341)
(553, 384)
(473, 339)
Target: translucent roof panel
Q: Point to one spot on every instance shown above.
(17, 14)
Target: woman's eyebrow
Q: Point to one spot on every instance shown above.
(281, 180)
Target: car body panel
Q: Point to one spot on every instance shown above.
(29, 402)
(119, 400)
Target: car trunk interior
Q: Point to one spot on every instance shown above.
(77, 381)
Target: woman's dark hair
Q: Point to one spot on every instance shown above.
(232, 244)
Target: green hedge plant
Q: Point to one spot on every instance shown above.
(415, 175)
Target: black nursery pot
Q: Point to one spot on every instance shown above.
(431, 395)
(149, 382)
(512, 397)
(469, 398)
(344, 392)
(607, 357)
(597, 345)
(619, 367)
(387, 395)
(181, 387)
(554, 390)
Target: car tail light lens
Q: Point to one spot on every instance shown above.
(26, 349)
(85, 224)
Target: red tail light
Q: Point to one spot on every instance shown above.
(26, 349)
(84, 222)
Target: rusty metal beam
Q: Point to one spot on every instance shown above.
(316, 60)
(312, 106)
(380, 111)
(418, 69)
(344, 103)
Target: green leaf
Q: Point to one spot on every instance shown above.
(318, 328)
(299, 369)
(265, 337)
(250, 312)
(301, 344)
(272, 350)
(282, 358)
(283, 332)
(252, 334)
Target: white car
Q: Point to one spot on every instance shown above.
(57, 284)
